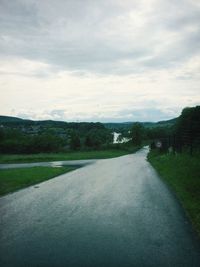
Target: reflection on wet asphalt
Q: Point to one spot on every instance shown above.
(114, 212)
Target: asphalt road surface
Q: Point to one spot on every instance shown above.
(115, 212)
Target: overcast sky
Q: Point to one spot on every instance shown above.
(99, 60)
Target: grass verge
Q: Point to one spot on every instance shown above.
(182, 173)
(15, 179)
(101, 154)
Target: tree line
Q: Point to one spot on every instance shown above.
(85, 136)
(52, 136)
(184, 136)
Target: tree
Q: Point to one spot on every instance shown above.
(88, 141)
(96, 138)
(188, 127)
(137, 133)
(75, 142)
(45, 142)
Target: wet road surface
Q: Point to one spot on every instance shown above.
(115, 212)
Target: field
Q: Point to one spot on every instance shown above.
(101, 154)
(182, 173)
(15, 179)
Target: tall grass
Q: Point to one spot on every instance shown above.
(182, 173)
(15, 179)
(78, 155)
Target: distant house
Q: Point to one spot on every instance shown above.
(32, 130)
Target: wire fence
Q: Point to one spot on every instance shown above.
(184, 141)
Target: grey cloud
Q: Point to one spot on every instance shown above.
(57, 114)
(147, 114)
(73, 35)
(41, 74)
(187, 45)
(176, 14)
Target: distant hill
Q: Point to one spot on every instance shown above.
(127, 125)
(118, 125)
(4, 119)
(14, 121)
(18, 122)
(172, 121)
(160, 123)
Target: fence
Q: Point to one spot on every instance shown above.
(185, 141)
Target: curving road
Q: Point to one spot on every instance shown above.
(115, 212)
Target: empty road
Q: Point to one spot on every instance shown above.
(114, 212)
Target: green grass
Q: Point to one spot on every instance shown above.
(15, 179)
(182, 173)
(111, 153)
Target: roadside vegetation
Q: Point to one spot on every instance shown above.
(182, 173)
(15, 179)
(177, 160)
(76, 155)
(34, 141)
(29, 141)
(24, 137)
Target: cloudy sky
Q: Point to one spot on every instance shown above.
(99, 60)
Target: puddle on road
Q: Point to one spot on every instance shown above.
(56, 165)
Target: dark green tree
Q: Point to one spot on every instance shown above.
(88, 141)
(188, 127)
(137, 133)
(75, 142)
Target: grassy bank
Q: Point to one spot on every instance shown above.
(101, 154)
(182, 173)
(14, 179)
